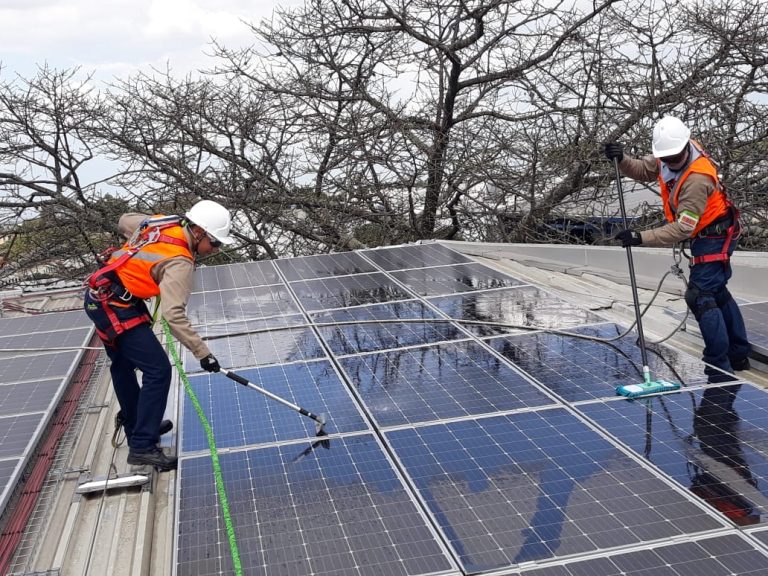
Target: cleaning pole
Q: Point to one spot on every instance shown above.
(648, 386)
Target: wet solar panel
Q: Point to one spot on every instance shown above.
(357, 290)
(713, 442)
(240, 275)
(506, 490)
(416, 256)
(240, 304)
(309, 267)
(454, 279)
(524, 306)
(756, 320)
(240, 416)
(336, 510)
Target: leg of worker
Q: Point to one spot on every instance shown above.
(144, 350)
(126, 387)
(706, 280)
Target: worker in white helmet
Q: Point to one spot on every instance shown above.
(157, 260)
(698, 211)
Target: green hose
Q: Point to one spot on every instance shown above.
(214, 453)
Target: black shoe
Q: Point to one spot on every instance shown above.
(165, 426)
(152, 457)
(741, 364)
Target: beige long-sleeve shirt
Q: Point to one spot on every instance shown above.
(692, 199)
(174, 277)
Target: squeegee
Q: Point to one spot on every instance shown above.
(648, 386)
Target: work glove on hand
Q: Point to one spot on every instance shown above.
(614, 150)
(628, 238)
(210, 364)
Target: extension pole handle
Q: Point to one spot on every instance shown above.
(632, 280)
(240, 380)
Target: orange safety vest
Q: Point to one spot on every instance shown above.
(718, 203)
(135, 273)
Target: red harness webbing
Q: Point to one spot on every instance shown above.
(732, 233)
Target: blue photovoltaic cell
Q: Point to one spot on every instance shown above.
(44, 323)
(454, 279)
(240, 416)
(714, 442)
(326, 293)
(340, 510)
(240, 275)
(46, 365)
(240, 304)
(537, 485)
(577, 369)
(287, 345)
(324, 265)
(16, 432)
(522, 306)
(719, 556)
(415, 256)
(28, 396)
(443, 381)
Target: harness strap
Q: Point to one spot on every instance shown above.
(732, 233)
(116, 327)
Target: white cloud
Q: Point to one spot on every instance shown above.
(115, 37)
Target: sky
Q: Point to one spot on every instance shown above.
(114, 38)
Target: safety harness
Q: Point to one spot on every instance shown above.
(105, 287)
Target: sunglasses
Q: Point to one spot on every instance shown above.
(214, 242)
(676, 159)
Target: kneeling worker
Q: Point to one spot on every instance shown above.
(157, 260)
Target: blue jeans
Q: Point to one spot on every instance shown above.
(142, 406)
(720, 321)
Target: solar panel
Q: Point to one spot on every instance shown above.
(44, 323)
(42, 367)
(16, 431)
(341, 510)
(34, 343)
(241, 275)
(240, 304)
(760, 536)
(240, 416)
(327, 293)
(577, 369)
(417, 256)
(756, 321)
(451, 450)
(309, 267)
(28, 396)
(719, 555)
(453, 279)
(522, 306)
(714, 442)
(527, 487)
(442, 381)
(287, 345)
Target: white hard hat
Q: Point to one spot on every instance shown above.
(670, 136)
(213, 218)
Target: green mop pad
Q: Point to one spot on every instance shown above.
(646, 388)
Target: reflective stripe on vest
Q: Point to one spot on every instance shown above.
(717, 203)
(136, 273)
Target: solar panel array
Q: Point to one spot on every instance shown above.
(473, 428)
(33, 379)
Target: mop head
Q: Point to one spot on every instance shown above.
(646, 388)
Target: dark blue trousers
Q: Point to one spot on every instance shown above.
(142, 406)
(720, 321)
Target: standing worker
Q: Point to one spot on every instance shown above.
(157, 260)
(697, 209)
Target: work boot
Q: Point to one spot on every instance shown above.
(740, 364)
(153, 456)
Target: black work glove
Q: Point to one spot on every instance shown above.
(210, 364)
(614, 150)
(628, 238)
